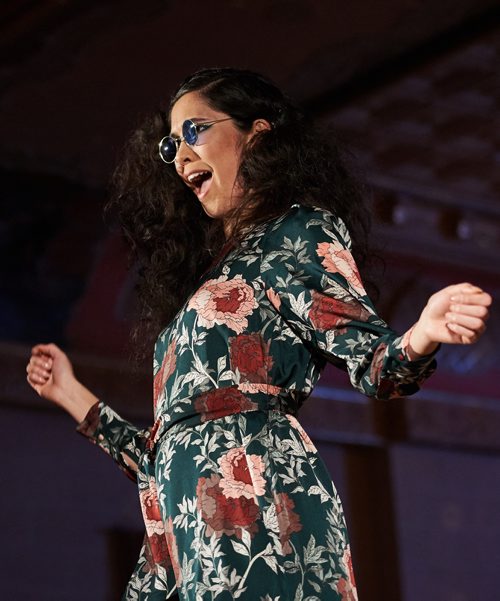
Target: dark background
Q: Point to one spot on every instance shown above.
(413, 86)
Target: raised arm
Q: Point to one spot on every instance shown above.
(51, 374)
(312, 280)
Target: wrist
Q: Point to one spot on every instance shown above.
(76, 400)
(419, 343)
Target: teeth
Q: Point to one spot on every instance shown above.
(193, 176)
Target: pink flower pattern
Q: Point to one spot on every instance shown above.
(337, 259)
(253, 387)
(224, 302)
(288, 520)
(234, 492)
(225, 515)
(347, 585)
(308, 443)
(151, 509)
(163, 374)
(274, 297)
(328, 313)
(241, 474)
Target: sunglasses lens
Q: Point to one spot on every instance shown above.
(190, 132)
(168, 149)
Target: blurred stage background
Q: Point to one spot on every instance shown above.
(414, 87)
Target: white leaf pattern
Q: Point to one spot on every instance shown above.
(293, 524)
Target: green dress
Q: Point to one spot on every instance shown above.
(237, 504)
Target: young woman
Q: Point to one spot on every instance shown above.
(247, 226)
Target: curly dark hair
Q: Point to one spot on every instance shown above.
(172, 237)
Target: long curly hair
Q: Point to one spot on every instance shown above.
(173, 239)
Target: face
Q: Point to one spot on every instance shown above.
(210, 167)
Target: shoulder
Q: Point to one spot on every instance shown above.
(307, 223)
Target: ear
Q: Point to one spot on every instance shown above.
(257, 126)
(260, 125)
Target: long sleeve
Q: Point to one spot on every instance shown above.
(116, 436)
(312, 280)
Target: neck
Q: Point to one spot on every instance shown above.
(228, 229)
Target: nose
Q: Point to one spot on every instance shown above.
(185, 153)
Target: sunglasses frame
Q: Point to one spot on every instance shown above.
(198, 128)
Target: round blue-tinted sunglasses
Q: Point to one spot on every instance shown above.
(169, 146)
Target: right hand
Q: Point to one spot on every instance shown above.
(50, 373)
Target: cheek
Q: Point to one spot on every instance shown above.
(225, 159)
(232, 166)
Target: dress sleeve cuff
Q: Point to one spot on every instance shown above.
(89, 425)
(405, 349)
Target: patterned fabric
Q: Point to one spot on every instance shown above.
(237, 503)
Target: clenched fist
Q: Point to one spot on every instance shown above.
(50, 373)
(455, 315)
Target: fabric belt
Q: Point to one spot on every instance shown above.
(221, 402)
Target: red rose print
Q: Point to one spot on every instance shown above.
(158, 547)
(347, 561)
(229, 303)
(224, 515)
(156, 552)
(249, 353)
(224, 302)
(163, 374)
(345, 589)
(347, 586)
(220, 402)
(327, 313)
(150, 507)
(159, 550)
(288, 520)
(242, 474)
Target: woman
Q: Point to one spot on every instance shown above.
(236, 501)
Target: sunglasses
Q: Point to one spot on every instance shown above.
(169, 146)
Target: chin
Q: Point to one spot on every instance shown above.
(209, 211)
(213, 211)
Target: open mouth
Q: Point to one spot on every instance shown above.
(200, 182)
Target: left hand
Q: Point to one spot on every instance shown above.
(455, 315)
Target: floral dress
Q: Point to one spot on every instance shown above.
(237, 504)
